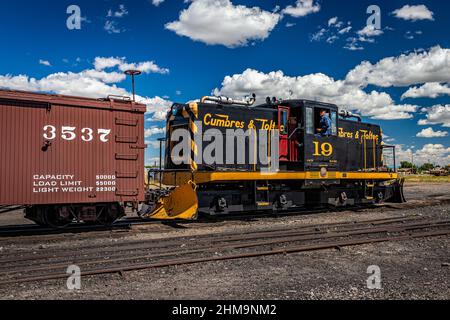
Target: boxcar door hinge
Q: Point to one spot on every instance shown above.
(121, 139)
(127, 193)
(121, 156)
(138, 147)
(127, 122)
(127, 175)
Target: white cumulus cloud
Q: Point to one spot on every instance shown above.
(428, 90)
(332, 21)
(345, 30)
(112, 27)
(220, 22)
(428, 67)
(434, 153)
(119, 13)
(430, 133)
(156, 3)
(102, 63)
(414, 13)
(154, 144)
(370, 31)
(153, 131)
(302, 8)
(45, 63)
(429, 153)
(156, 106)
(317, 86)
(332, 32)
(98, 82)
(407, 69)
(438, 114)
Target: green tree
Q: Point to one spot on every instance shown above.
(406, 165)
(426, 167)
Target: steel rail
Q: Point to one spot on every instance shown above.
(293, 249)
(310, 235)
(207, 237)
(387, 229)
(6, 209)
(294, 238)
(30, 230)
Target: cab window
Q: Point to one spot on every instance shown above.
(334, 117)
(284, 122)
(309, 121)
(317, 116)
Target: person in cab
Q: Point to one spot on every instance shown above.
(324, 129)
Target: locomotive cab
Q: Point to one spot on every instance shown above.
(301, 146)
(349, 146)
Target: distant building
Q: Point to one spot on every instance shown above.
(440, 172)
(407, 171)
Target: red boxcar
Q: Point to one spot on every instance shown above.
(69, 157)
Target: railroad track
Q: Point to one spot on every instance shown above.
(32, 230)
(18, 267)
(6, 209)
(32, 233)
(128, 223)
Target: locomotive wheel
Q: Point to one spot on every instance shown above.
(380, 197)
(343, 198)
(107, 215)
(219, 204)
(283, 202)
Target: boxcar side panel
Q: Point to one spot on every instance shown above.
(60, 154)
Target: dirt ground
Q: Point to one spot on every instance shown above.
(410, 269)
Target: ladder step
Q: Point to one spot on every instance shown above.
(369, 198)
(371, 185)
(263, 204)
(262, 188)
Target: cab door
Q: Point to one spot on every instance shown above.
(321, 151)
(283, 116)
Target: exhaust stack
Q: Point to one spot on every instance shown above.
(348, 114)
(226, 100)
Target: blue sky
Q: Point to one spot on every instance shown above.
(303, 48)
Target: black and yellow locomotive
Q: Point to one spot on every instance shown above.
(243, 158)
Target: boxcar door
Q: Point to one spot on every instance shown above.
(283, 116)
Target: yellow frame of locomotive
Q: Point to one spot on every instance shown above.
(181, 178)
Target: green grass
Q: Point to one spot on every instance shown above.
(426, 178)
